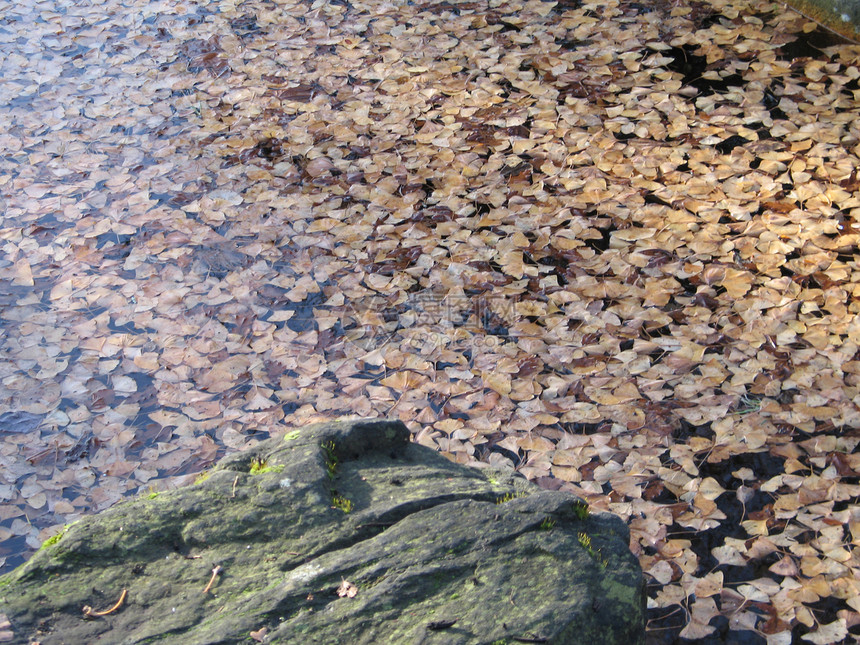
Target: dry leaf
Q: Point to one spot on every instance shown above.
(701, 612)
(347, 590)
(833, 632)
(6, 633)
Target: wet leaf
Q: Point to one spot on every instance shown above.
(18, 422)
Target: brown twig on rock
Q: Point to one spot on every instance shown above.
(215, 573)
(90, 613)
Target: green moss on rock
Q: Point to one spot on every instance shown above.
(424, 542)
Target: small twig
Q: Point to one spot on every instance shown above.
(671, 613)
(90, 613)
(215, 573)
(235, 481)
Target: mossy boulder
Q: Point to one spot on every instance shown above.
(842, 16)
(341, 532)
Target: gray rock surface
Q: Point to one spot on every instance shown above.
(431, 552)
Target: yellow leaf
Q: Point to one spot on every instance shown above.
(377, 281)
(258, 401)
(146, 361)
(403, 380)
(531, 442)
(347, 589)
(626, 392)
(702, 611)
(755, 527)
(201, 410)
(497, 381)
(37, 501)
(690, 351)
(374, 358)
(662, 572)
(623, 393)
(728, 555)
(448, 425)
(710, 489)
(124, 384)
(567, 473)
(23, 274)
(834, 632)
(710, 585)
(61, 290)
(805, 616)
(168, 418)
(512, 264)
(784, 567)
(281, 315)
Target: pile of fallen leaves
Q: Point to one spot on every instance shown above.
(612, 245)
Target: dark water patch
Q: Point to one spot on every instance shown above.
(622, 136)
(636, 8)
(485, 450)
(725, 146)
(763, 464)
(303, 318)
(810, 45)
(245, 25)
(585, 428)
(599, 239)
(571, 44)
(15, 549)
(144, 383)
(696, 72)
(119, 326)
(566, 5)
(117, 247)
(826, 611)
